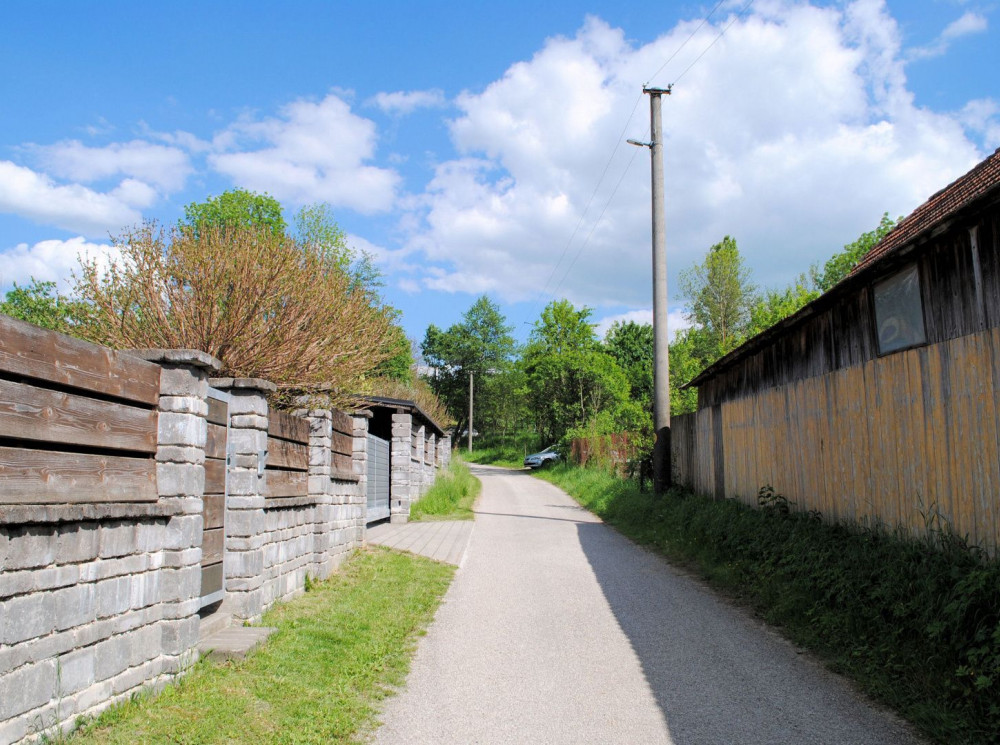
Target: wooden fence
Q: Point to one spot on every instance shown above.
(615, 450)
(909, 439)
(78, 422)
(287, 472)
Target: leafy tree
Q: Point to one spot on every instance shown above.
(262, 302)
(720, 295)
(841, 263)
(40, 304)
(686, 361)
(631, 345)
(776, 305)
(571, 379)
(236, 208)
(481, 344)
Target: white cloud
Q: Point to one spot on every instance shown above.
(51, 261)
(793, 134)
(165, 168)
(73, 207)
(969, 23)
(312, 152)
(676, 321)
(406, 102)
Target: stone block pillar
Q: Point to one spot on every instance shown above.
(320, 470)
(430, 459)
(359, 465)
(180, 478)
(400, 462)
(444, 452)
(244, 553)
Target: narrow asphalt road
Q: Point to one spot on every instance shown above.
(557, 629)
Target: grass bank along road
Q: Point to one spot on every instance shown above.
(559, 630)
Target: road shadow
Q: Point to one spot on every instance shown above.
(718, 675)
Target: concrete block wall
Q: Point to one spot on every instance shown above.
(99, 600)
(400, 457)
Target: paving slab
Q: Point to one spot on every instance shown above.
(557, 629)
(233, 643)
(441, 540)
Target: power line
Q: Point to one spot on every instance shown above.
(691, 36)
(721, 34)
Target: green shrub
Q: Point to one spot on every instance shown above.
(915, 621)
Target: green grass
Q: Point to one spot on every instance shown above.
(916, 622)
(450, 497)
(339, 650)
(507, 452)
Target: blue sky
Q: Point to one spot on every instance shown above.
(478, 148)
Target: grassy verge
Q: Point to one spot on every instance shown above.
(915, 622)
(339, 650)
(506, 452)
(450, 497)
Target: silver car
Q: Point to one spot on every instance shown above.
(547, 456)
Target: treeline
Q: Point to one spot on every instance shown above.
(565, 382)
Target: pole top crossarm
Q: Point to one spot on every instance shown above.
(657, 91)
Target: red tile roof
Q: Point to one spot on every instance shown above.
(966, 189)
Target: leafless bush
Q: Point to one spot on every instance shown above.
(266, 305)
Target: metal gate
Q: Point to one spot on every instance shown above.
(378, 479)
(213, 540)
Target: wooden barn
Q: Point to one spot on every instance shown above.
(880, 400)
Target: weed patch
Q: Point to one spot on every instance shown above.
(450, 497)
(916, 622)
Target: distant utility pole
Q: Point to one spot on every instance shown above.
(470, 411)
(661, 360)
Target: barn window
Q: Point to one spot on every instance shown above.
(899, 311)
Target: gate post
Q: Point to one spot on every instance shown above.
(359, 464)
(244, 553)
(400, 467)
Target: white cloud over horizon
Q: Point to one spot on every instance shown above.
(793, 134)
(165, 168)
(51, 261)
(310, 152)
(968, 23)
(406, 102)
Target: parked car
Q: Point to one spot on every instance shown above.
(544, 458)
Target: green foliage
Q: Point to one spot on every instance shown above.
(841, 263)
(915, 621)
(398, 366)
(571, 379)
(480, 344)
(40, 304)
(503, 450)
(776, 305)
(236, 208)
(720, 296)
(630, 344)
(338, 652)
(450, 497)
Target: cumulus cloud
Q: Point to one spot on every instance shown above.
(970, 22)
(165, 168)
(51, 261)
(676, 321)
(312, 152)
(406, 102)
(73, 207)
(794, 133)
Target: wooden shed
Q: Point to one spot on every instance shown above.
(878, 400)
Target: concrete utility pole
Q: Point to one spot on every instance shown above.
(661, 360)
(470, 411)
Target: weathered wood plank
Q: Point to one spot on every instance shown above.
(42, 477)
(212, 544)
(342, 422)
(211, 578)
(214, 513)
(341, 443)
(215, 476)
(44, 415)
(283, 425)
(33, 352)
(285, 484)
(285, 454)
(341, 462)
(215, 444)
(218, 411)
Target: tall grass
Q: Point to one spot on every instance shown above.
(916, 622)
(450, 497)
(502, 451)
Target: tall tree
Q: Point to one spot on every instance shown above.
(841, 263)
(236, 208)
(571, 379)
(720, 295)
(630, 344)
(39, 303)
(481, 344)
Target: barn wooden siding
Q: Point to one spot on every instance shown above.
(78, 422)
(901, 438)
